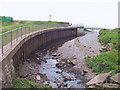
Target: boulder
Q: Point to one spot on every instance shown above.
(98, 79)
(116, 78)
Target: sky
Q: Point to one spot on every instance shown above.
(98, 13)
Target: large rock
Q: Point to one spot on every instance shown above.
(99, 78)
(116, 78)
(110, 85)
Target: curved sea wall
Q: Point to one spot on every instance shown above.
(22, 49)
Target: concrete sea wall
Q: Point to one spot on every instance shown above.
(16, 55)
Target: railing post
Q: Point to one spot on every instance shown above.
(2, 44)
(11, 38)
(25, 31)
(21, 31)
(29, 29)
(17, 35)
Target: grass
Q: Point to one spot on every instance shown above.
(44, 24)
(109, 60)
(22, 24)
(5, 23)
(29, 83)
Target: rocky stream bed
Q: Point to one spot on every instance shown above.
(62, 64)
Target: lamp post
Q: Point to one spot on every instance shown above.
(50, 18)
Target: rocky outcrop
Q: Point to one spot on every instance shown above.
(98, 79)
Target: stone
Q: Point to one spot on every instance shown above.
(85, 71)
(38, 77)
(69, 78)
(60, 64)
(110, 85)
(104, 48)
(116, 78)
(64, 84)
(72, 87)
(73, 60)
(109, 44)
(45, 61)
(82, 73)
(100, 50)
(38, 58)
(68, 61)
(84, 46)
(91, 86)
(98, 79)
(58, 83)
(59, 71)
(54, 54)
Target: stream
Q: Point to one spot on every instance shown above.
(52, 65)
(57, 75)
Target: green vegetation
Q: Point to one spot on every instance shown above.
(28, 83)
(17, 33)
(5, 23)
(18, 24)
(108, 60)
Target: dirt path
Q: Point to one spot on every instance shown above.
(80, 48)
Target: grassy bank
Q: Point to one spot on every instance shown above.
(7, 26)
(108, 60)
(28, 83)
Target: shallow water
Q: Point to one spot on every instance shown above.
(79, 47)
(49, 68)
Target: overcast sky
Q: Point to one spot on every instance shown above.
(100, 13)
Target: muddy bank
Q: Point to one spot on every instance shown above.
(62, 65)
(80, 48)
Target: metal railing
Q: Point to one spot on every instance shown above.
(8, 39)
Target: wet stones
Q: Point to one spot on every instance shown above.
(72, 60)
(60, 64)
(60, 84)
(59, 71)
(68, 78)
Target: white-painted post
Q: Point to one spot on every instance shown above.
(80, 31)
